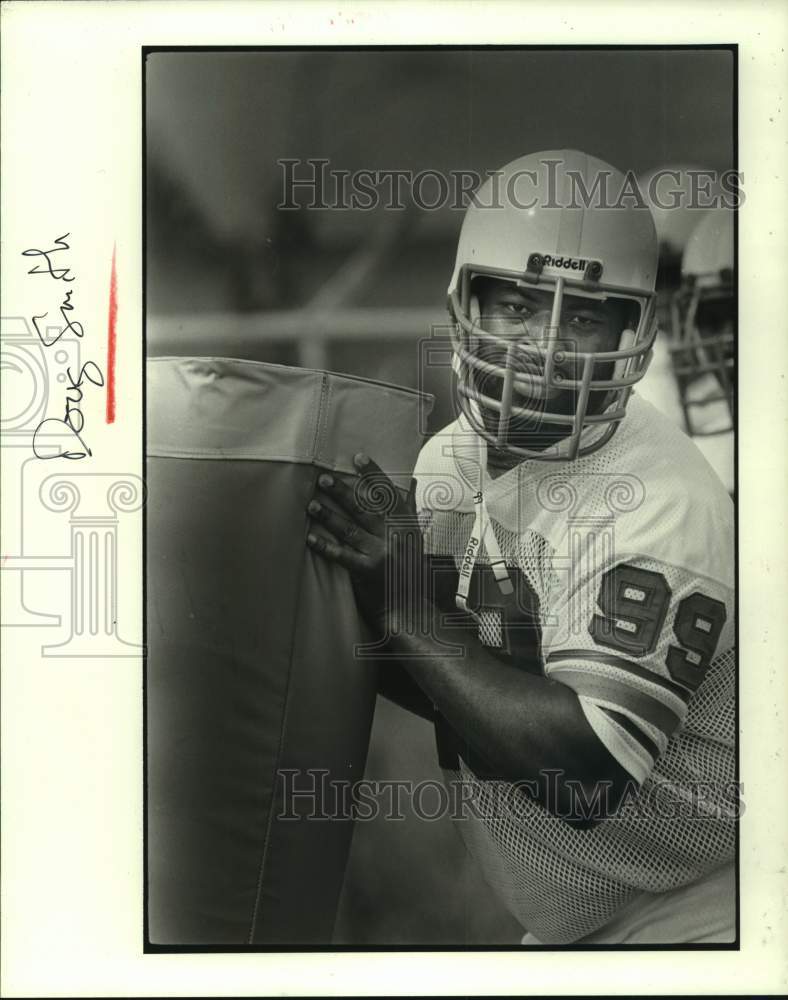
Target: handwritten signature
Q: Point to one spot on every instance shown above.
(73, 417)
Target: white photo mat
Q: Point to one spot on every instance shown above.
(72, 838)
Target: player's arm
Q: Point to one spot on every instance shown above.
(652, 634)
(524, 726)
(396, 684)
(394, 681)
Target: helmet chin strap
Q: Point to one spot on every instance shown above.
(621, 369)
(507, 391)
(482, 534)
(628, 338)
(475, 316)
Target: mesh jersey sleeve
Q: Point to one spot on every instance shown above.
(635, 642)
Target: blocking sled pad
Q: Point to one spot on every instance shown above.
(252, 686)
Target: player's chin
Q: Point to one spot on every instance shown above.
(542, 397)
(531, 392)
(534, 437)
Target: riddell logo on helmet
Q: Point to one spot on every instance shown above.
(565, 263)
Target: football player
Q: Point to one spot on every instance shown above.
(690, 377)
(670, 195)
(558, 589)
(702, 345)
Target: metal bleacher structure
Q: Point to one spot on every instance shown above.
(406, 343)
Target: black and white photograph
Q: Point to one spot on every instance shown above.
(393, 461)
(441, 575)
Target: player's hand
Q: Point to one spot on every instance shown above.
(371, 529)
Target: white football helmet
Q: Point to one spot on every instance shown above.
(672, 196)
(533, 223)
(702, 320)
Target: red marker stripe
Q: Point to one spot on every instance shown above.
(111, 328)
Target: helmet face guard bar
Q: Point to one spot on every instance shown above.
(526, 364)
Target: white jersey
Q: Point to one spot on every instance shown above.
(627, 555)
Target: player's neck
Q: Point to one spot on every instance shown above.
(499, 463)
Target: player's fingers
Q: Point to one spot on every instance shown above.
(375, 490)
(350, 499)
(334, 552)
(368, 467)
(345, 530)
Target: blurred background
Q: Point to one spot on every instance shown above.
(230, 274)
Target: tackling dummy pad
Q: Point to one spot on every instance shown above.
(250, 670)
